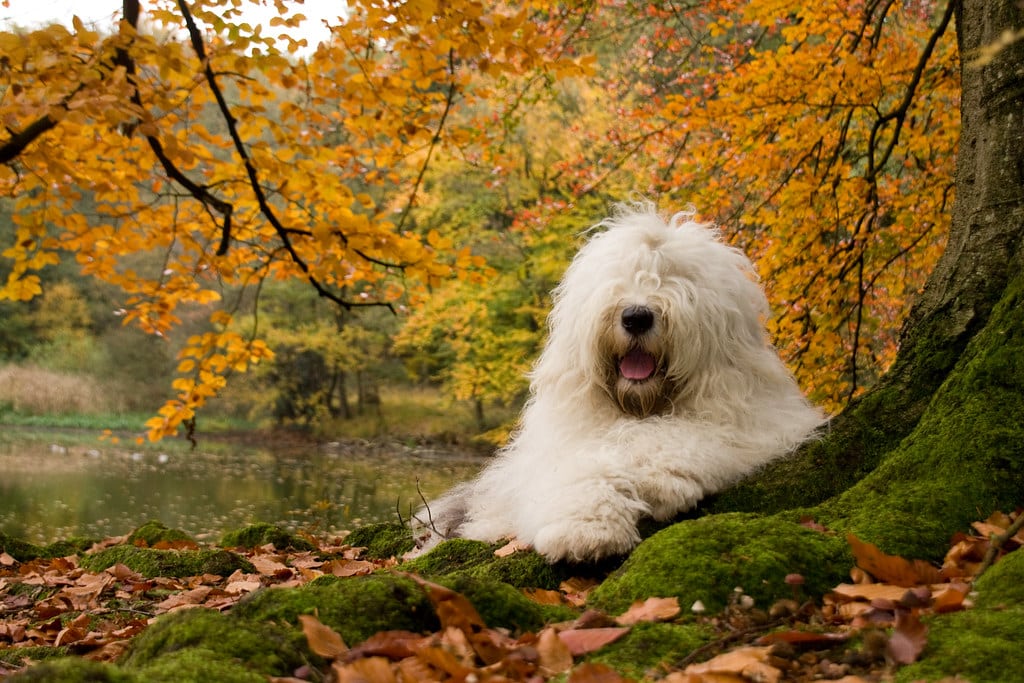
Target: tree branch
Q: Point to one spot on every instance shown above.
(199, 47)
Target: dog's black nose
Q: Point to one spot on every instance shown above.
(637, 319)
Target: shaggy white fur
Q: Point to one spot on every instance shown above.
(656, 387)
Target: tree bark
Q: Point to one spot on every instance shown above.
(937, 442)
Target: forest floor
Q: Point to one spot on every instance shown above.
(861, 631)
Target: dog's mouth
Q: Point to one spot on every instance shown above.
(638, 365)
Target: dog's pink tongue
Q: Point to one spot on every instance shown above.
(637, 365)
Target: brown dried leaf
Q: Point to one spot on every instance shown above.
(555, 657)
(803, 638)
(746, 662)
(191, 598)
(369, 670)
(867, 591)
(585, 641)
(576, 590)
(268, 565)
(651, 609)
(394, 645)
(454, 610)
(441, 660)
(950, 598)
(349, 567)
(908, 639)
(6, 560)
(544, 597)
(890, 568)
(240, 587)
(323, 640)
(513, 546)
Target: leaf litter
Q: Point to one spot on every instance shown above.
(55, 602)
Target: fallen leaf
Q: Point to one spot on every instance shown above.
(323, 640)
(806, 638)
(576, 590)
(555, 657)
(440, 659)
(369, 670)
(6, 560)
(951, 598)
(239, 587)
(544, 597)
(268, 565)
(511, 547)
(455, 610)
(394, 645)
(349, 567)
(908, 638)
(191, 598)
(867, 591)
(746, 662)
(585, 641)
(891, 568)
(651, 609)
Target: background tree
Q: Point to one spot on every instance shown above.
(937, 441)
(276, 190)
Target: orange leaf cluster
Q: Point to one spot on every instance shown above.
(465, 647)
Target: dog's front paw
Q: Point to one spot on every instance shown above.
(578, 540)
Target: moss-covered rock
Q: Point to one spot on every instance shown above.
(74, 670)
(199, 665)
(501, 605)
(705, 559)
(151, 562)
(153, 532)
(355, 607)
(260, 534)
(648, 645)
(1002, 586)
(22, 551)
(383, 540)
(978, 645)
(70, 546)
(237, 648)
(475, 558)
(17, 656)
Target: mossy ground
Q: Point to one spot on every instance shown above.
(959, 461)
(650, 649)
(151, 562)
(983, 644)
(260, 534)
(383, 540)
(707, 558)
(153, 532)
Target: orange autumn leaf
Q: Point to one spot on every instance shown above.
(890, 568)
(322, 639)
(587, 640)
(745, 663)
(651, 609)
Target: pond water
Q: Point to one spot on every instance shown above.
(50, 491)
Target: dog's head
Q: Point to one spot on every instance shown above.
(653, 312)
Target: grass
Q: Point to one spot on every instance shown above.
(35, 391)
(33, 397)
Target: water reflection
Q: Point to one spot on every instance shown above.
(51, 491)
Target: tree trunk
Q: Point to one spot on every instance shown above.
(938, 442)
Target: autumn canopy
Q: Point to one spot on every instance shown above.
(439, 158)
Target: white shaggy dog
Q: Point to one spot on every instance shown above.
(656, 387)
